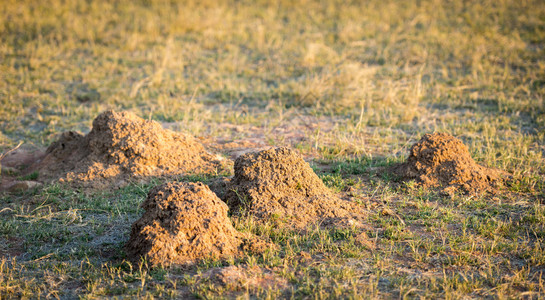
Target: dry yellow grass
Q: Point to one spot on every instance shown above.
(377, 74)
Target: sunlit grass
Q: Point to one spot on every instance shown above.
(374, 75)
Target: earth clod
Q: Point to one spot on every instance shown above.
(278, 185)
(122, 144)
(182, 223)
(440, 160)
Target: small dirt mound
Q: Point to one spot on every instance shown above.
(183, 222)
(277, 184)
(441, 160)
(122, 144)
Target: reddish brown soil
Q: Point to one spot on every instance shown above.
(278, 185)
(11, 247)
(440, 160)
(13, 164)
(121, 145)
(246, 277)
(183, 222)
(20, 159)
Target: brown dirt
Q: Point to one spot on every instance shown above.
(183, 222)
(11, 247)
(244, 277)
(278, 185)
(21, 158)
(121, 145)
(13, 165)
(440, 160)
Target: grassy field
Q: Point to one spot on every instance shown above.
(363, 79)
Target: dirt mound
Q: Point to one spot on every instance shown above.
(441, 160)
(183, 222)
(122, 144)
(277, 184)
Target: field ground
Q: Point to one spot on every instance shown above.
(351, 85)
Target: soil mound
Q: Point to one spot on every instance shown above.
(124, 144)
(277, 184)
(441, 160)
(183, 222)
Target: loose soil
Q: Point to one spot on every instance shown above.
(244, 277)
(123, 145)
(13, 167)
(278, 185)
(440, 160)
(183, 222)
